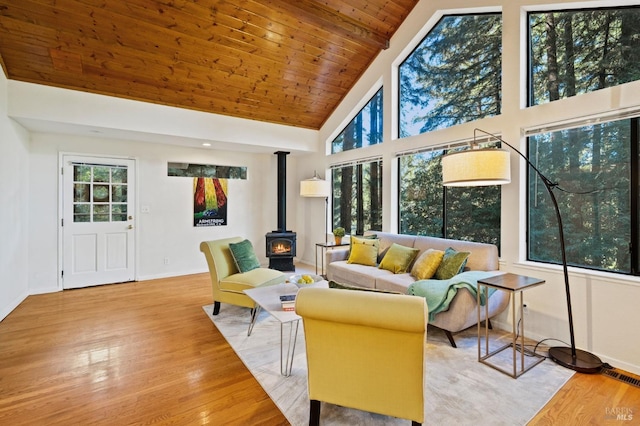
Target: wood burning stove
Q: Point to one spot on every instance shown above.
(281, 243)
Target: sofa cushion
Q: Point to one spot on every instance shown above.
(398, 258)
(355, 274)
(364, 254)
(244, 256)
(394, 282)
(452, 264)
(427, 264)
(333, 284)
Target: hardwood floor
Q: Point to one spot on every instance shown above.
(145, 353)
(135, 353)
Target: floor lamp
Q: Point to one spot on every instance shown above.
(490, 166)
(318, 188)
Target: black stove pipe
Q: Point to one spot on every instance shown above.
(282, 191)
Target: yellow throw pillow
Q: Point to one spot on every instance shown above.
(364, 254)
(359, 239)
(427, 264)
(398, 258)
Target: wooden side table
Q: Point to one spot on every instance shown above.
(323, 248)
(514, 284)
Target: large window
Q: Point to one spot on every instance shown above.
(357, 197)
(428, 208)
(364, 130)
(596, 168)
(580, 51)
(453, 76)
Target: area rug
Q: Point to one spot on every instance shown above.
(459, 389)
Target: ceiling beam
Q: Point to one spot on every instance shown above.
(323, 16)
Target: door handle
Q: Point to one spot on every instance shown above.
(130, 226)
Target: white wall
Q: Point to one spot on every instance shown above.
(604, 305)
(14, 179)
(167, 231)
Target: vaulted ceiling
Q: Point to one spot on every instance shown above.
(281, 61)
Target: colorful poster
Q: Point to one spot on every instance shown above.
(209, 202)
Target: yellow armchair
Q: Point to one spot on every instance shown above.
(227, 282)
(365, 350)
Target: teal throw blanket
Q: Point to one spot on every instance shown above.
(440, 293)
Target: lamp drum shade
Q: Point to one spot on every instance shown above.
(314, 187)
(476, 167)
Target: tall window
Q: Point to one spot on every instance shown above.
(580, 51)
(364, 130)
(428, 208)
(596, 168)
(357, 197)
(453, 76)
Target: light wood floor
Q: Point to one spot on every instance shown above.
(145, 353)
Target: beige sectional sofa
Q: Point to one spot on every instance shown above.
(462, 312)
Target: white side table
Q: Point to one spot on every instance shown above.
(268, 298)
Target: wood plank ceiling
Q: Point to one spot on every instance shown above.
(282, 61)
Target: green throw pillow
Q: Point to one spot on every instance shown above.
(244, 256)
(398, 258)
(364, 254)
(452, 264)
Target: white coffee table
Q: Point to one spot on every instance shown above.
(268, 298)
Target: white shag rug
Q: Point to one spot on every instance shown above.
(459, 389)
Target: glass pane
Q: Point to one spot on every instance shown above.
(101, 209)
(81, 193)
(82, 173)
(592, 167)
(119, 175)
(118, 217)
(101, 193)
(101, 174)
(81, 218)
(119, 193)
(364, 130)
(421, 194)
(428, 208)
(580, 51)
(454, 75)
(119, 208)
(357, 197)
(82, 209)
(101, 218)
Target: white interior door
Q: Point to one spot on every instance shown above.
(97, 221)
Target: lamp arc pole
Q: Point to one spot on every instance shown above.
(572, 358)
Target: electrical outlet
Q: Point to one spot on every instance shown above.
(166, 260)
(525, 309)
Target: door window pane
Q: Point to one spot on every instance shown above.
(81, 193)
(99, 193)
